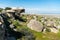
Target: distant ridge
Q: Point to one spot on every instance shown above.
(51, 15)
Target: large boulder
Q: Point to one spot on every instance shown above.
(35, 25)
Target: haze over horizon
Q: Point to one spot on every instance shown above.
(34, 6)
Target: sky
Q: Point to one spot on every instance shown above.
(34, 6)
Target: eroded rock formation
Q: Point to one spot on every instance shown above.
(7, 31)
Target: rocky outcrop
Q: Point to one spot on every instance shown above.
(44, 26)
(7, 29)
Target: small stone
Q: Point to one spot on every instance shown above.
(15, 29)
(11, 26)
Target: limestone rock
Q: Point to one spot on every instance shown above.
(35, 25)
(54, 30)
(58, 26)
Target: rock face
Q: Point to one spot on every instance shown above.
(35, 25)
(2, 30)
(7, 31)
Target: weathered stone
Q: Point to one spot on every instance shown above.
(10, 11)
(35, 25)
(50, 23)
(54, 30)
(11, 26)
(2, 30)
(58, 27)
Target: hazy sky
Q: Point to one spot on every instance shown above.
(34, 6)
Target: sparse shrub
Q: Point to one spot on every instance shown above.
(8, 8)
(1, 9)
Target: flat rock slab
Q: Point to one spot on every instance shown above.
(54, 30)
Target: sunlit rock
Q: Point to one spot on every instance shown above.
(58, 26)
(15, 29)
(50, 23)
(54, 30)
(35, 25)
(0, 23)
(11, 26)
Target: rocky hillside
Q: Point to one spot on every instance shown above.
(42, 23)
(17, 26)
(42, 26)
